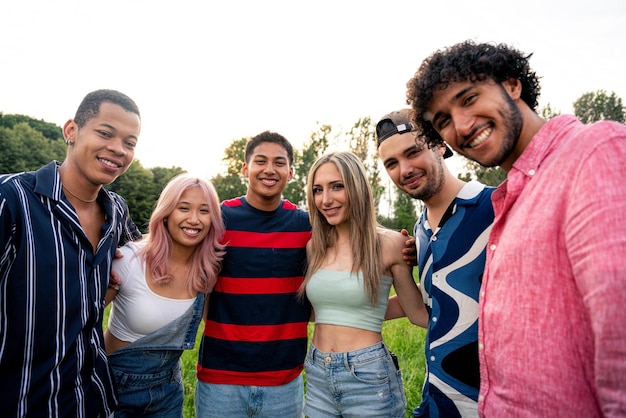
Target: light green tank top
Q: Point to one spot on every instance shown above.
(338, 298)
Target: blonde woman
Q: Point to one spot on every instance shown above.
(353, 262)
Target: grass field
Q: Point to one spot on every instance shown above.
(402, 337)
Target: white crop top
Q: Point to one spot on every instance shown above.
(338, 298)
(137, 311)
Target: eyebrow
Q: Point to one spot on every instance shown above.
(114, 129)
(330, 182)
(456, 97)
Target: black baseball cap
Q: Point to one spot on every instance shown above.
(398, 122)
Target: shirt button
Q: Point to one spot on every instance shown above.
(434, 319)
(482, 294)
(481, 398)
(432, 358)
(480, 346)
(492, 247)
(531, 172)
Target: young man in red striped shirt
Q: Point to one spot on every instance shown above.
(255, 336)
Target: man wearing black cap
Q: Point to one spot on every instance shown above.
(451, 236)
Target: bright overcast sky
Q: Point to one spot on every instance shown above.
(205, 73)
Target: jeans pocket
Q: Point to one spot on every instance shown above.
(372, 372)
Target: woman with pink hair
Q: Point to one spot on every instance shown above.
(158, 306)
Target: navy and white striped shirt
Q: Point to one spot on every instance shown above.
(52, 285)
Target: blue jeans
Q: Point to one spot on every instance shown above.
(158, 395)
(238, 401)
(360, 383)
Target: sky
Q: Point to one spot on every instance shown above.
(205, 73)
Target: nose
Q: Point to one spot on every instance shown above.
(117, 147)
(463, 123)
(326, 198)
(406, 168)
(193, 217)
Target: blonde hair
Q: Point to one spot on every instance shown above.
(364, 239)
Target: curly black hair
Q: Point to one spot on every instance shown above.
(468, 61)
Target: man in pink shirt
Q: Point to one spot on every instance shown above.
(552, 314)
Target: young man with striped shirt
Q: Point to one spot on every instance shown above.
(255, 336)
(59, 230)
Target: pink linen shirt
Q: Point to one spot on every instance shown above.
(552, 313)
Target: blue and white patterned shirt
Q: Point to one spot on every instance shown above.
(52, 286)
(451, 261)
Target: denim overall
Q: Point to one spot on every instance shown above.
(147, 372)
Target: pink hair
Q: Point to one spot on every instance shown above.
(206, 260)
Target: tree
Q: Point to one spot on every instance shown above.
(491, 176)
(315, 147)
(404, 211)
(228, 186)
(362, 140)
(25, 148)
(49, 130)
(596, 106)
(548, 112)
(232, 184)
(141, 187)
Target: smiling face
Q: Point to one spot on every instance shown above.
(103, 148)
(190, 221)
(268, 172)
(413, 167)
(479, 120)
(330, 195)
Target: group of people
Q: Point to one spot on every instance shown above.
(521, 287)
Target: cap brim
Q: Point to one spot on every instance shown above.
(448, 152)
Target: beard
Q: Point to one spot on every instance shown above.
(434, 182)
(512, 123)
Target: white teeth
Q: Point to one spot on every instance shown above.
(109, 163)
(191, 231)
(481, 138)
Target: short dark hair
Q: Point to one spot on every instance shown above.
(90, 106)
(469, 61)
(268, 136)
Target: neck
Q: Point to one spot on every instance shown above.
(90, 200)
(261, 203)
(66, 174)
(441, 200)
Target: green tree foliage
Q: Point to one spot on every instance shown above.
(25, 148)
(229, 186)
(491, 176)
(232, 184)
(161, 176)
(362, 140)
(548, 112)
(596, 106)
(404, 212)
(49, 130)
(141, 187)
(304, 158)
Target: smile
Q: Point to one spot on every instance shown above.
(481, 138)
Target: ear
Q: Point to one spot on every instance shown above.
(70, 131)
(513, 87)
(244, 170)
(290, 173)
